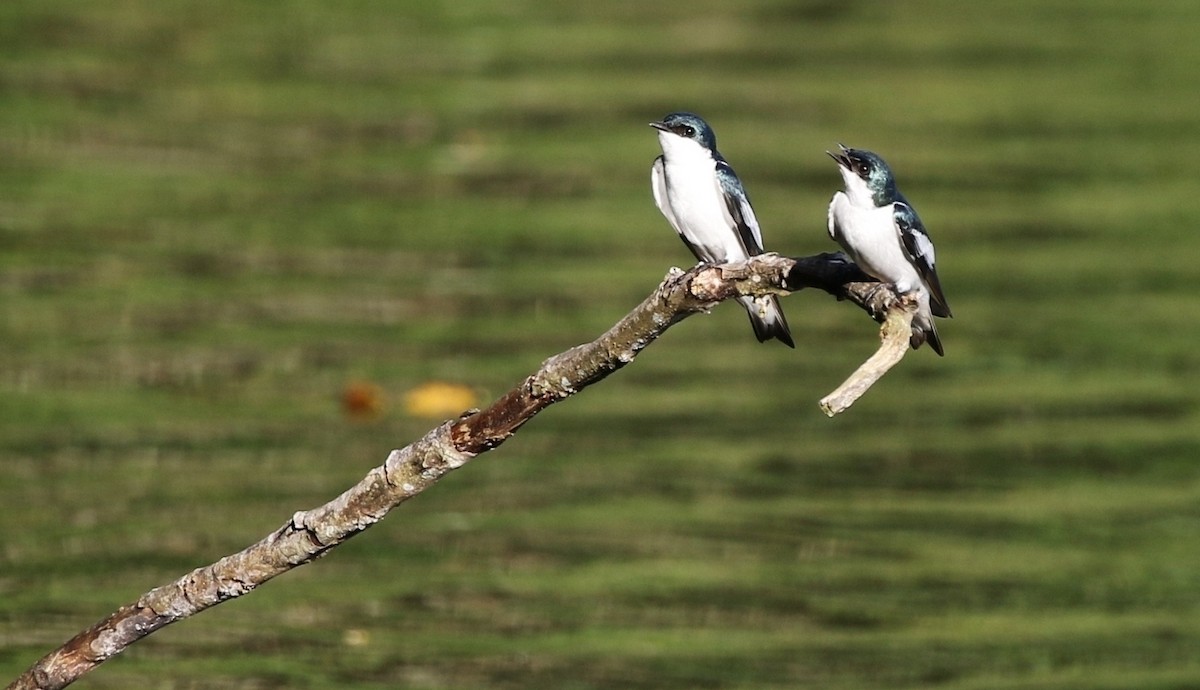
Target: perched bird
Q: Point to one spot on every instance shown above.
(703, 199)
(881, 231)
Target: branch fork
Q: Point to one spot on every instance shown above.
(406, 472)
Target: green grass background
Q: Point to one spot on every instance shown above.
(214, 215)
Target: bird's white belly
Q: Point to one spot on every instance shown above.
(700, 209)
(870, 237)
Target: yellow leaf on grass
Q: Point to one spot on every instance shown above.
(439, 399)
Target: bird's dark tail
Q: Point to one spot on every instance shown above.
(766, 316)
(928, 335)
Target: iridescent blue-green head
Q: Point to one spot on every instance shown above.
(687, 126)
(868, 178)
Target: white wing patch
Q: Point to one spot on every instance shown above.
(924, 246)
(913, 237)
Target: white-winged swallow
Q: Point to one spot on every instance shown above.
(703, 199)
(881, 231)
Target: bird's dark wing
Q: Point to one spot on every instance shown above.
(920, 251)
(740, 212)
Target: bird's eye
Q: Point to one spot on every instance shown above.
(689, 131)
(863, 169)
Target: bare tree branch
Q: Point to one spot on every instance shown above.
(409, 471)
(894, 337)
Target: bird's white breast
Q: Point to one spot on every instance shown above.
(697, 201)
(869, 236)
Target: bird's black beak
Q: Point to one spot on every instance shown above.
(841, 158)
(660, 126)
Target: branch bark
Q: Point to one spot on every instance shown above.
(894, 337)
(408, 471)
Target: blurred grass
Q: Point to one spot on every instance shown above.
(214, 216)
